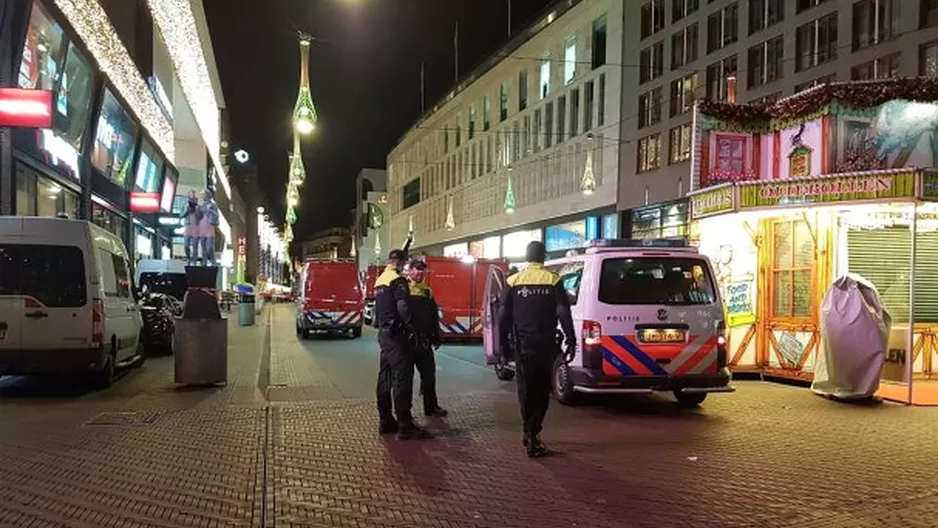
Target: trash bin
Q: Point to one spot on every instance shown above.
(246, 309)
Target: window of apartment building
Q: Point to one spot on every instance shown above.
(545, 77)
(569, 60)
(649, 153)
(650, 61)
(601, 104)
(503, 102)
(522, 90)
(649, 108)
(652, 18)
(765, 62)
(801, 5)
(874, 21)
(515, 142)
(683, 94)
(684, 46)
(929, 13)
(816, 42)
(816, 82)
(928, 59)
(721, 80)
(764, 14)
(458, 130)
(537, 135)
(682, 8)
(723, 27)
(445, 140)
(599, 42)
(588, 106)
(411, 194)
(768, 99)
(881, 68)
(561, 117)
(472, 122)
(574, 112)
(679, 143)
(526, 135)
(488, 154)
(548, 125)
(486, 113)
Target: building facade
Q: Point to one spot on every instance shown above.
(334, 243)
(527, 147)
(126, 144)
(743, 51)
(370, 226)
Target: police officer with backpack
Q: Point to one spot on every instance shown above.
(396, 367)
(532, 303)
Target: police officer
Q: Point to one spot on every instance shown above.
(532, 303)
(426, 318)
(396, 368)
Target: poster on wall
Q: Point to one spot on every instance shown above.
(739, 294)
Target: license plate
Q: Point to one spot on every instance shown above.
(322, 321)
(662, 336)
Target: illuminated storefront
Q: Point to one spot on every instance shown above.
(790, 197)
(661, 220)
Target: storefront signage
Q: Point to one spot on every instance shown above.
(25, 108)
(60, 152)
(712, 202)
(144, 202)
(828, 190)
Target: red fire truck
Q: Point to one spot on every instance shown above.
(459, 289)
(370, 276)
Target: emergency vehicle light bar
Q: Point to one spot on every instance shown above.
(674, 242)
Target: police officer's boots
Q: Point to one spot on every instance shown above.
(533, 445)
(413, 432)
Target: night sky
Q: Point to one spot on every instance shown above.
(364, 77)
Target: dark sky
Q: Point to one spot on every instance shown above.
(364, 77)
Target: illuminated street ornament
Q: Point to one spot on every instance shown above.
(588, 183)
(377, 244)
(242, 156)
(291, 215)
(450, 220)
(287, 234)
(297, 170)
(304, 114)
(509, 196)
(352, 251)
(293, 196)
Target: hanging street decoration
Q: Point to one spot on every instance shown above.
(450, 219)
(588, 183)
(297, 169)
(509, 196)
(293, 195)
(377, 243)
(287, 234)
(291, 215)
(304, 114)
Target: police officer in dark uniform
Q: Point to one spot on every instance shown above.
(396, 370)
(532, 303)
(426, 318)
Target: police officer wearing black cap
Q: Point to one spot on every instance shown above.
(396, 370)
(426, 317)
(532, 304)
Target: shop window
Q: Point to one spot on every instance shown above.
(72, 100)
(106, 219)
(791, 269)
(37, 195)
(42, 51)
(115, 139)
(149, 167)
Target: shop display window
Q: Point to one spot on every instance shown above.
(792, 263)
(148, 168)
(42, 51)
(115, 138)
(37, 195)
(72, 100)
(168, 194)
(107, 219)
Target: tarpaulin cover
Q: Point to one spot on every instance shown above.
(855, 331)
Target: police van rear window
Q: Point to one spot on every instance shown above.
(672, 281)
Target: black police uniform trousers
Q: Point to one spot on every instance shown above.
(534, 366)
(426, 366)
(395, 379)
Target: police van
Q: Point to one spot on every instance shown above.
(648, 317)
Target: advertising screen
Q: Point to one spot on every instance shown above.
(169, 190)
(148, 168)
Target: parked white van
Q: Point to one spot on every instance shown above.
(66, 300)
(166, 276)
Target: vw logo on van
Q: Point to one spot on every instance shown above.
(662, 315)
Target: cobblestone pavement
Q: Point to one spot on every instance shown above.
(307, 453)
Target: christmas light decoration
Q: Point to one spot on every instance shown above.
(293, 196)
(377, 243)
(509, 196)
(297, 170)
(588, 183)
(291, 215)
(92, 25)
(304, 114)
(450, 220)
(287, 234)
(352, 251)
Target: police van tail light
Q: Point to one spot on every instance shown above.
(592, 333)
(97, 323)
(721, 344)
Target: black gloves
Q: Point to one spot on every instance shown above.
(569, 351)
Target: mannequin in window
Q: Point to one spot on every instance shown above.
(191, 217)
(208, 221)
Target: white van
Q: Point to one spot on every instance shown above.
(162, 276)
(66, 300)
(648, 317)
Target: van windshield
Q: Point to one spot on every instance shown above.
(53, 275)
(670, 281)
(172, 284)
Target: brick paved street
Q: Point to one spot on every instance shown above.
(291, 442)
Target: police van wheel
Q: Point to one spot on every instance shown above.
(690, 400)
(357, 332)
(562, 387)
(503, 372)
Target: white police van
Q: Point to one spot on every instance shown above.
(648, 317)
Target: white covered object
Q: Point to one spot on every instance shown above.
(855, 331)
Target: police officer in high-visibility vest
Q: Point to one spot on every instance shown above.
(396, 368)
(532, 303)
(426, 318)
